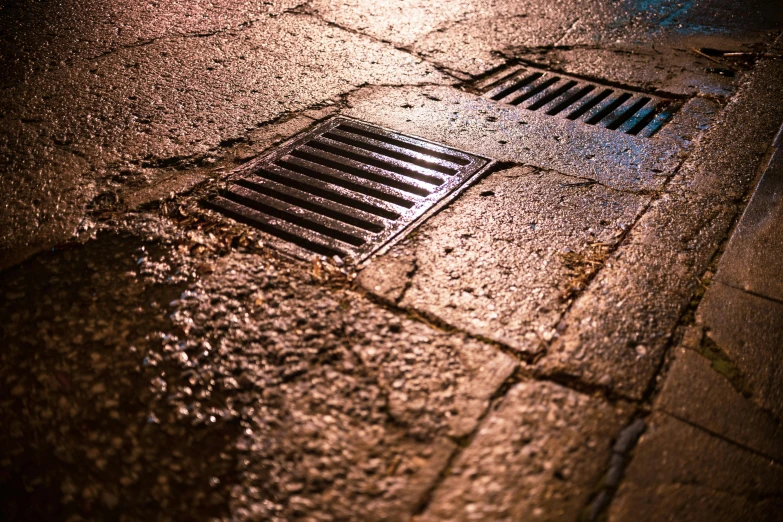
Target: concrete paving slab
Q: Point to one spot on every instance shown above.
(537, 456)
(753, 260)
(506, 133)
(749, 330)
(504, 261)
(698, 394)
(325, 405)
(679, 472)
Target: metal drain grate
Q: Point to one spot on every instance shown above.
(565, 96)
(346, 187)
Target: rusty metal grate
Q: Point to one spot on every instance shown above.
(576, 99)
(346, 187)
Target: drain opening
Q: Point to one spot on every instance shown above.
(557, 94)
(346, 187)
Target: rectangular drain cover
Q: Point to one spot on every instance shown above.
(561, 95)
(346, 187)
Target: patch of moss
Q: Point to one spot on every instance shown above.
(721, 363)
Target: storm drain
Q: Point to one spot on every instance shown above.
(561, 95)
(347, 187)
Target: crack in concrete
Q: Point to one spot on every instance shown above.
(576, 384)
(567, 31)
(409, 282)
(465, 441)
(196, 34)
(405, 49)
(437, 323)
(717, 435)
(618, 461)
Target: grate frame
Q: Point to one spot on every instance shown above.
(346, 187)
(571, 97)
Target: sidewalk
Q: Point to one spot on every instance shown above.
(590, 331)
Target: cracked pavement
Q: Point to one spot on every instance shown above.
(591, 331)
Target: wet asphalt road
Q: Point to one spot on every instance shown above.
(161, 362)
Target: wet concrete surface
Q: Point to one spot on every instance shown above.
(506, 259)
(173, 86)
(682, 473)
(307, 398)
(718, 403)
(473, 36)
(537, 456)
(39, 37)
(349, 407)
(751, 260)
(86, 420)
(499, 362)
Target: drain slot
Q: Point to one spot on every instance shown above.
(313, 204)
(589, 104)
(322, 190)
(516, 86)
(628, 114)
(281, 210)
(354, 184)
(346, 187)
(435, 152)
(532, 92)
(408, 157)
(557, 109)
(608, 109)
(356, 154)
(551, 96)
(557, 94)
(334, 162)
